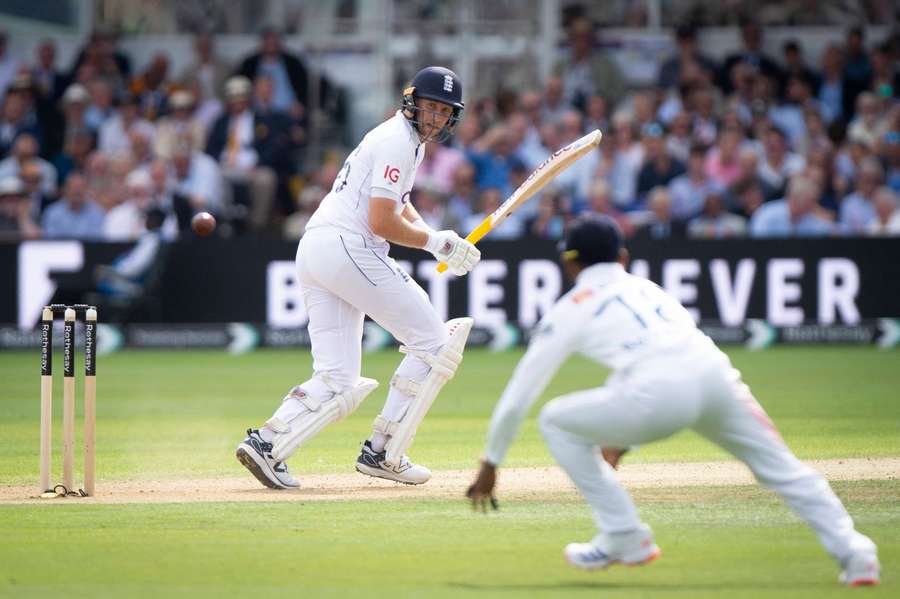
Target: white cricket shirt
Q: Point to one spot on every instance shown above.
(611, 317)
(382, 165)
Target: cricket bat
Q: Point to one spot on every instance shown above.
(556, 163)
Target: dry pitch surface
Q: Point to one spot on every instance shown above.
(513, 483)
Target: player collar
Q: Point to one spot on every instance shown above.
(604, 272)
(413, 134)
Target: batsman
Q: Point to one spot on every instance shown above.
(666, 376)
(345, 273)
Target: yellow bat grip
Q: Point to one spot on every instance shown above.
(474, 237)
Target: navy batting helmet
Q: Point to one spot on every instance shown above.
(592, 238)
(438, 84)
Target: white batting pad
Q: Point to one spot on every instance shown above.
(318, 415)
(443, 366)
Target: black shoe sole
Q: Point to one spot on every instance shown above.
(251, 465)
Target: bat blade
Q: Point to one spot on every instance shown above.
(548, 170)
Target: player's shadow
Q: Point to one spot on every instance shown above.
(680, 588)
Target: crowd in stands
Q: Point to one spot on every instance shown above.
(752, 145)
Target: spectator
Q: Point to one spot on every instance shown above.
(586, 71)
(831, 87)
(689, 191)
(885, 74)
(291, 79)
(288, 129)
(32, 176)
(437, 168)
(778, 164)
(307, 202)
(746, 198)
(816, 137)
(864, 127)
(600, 202)
(74, 156)
(489, 200)
(463, 194)
(115, 134)
(432, 206)
(103, 58)
(714, 222)
(660, 224)
(246, 147)
(74, 105)
(752, 55)
(857, 210)
(206, 70)
(126, 222)
(197, 183)
(151, 88)
(795, 65)
(671, 71)
(124, 279)
(101, 106)
(554, 103)
(680, 139)
(25, 150)
(491, 155)
(629, 157)
(705, 122)
(857, 69)
(9, 64)
(659, 167)
(141, 148)
(50, 81)
(891, 151)
(723, 165)
(15, 120)
(793, 216)
(550, 220)
(16, 222)
(179, 124)
(596, 115)
(887, 210)
(74, 216)
(788, 115)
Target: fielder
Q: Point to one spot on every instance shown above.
(345, 273)
(667, 376)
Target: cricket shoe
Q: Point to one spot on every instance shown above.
(256, 455)
(861, 569)
(633, 548)
(371, 463)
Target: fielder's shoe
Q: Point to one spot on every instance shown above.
(634, 548)
(371, 463)
(255, 454)
(861, 569)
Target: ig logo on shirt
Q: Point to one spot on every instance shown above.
(391, 174)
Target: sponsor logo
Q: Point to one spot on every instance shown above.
(391, 174)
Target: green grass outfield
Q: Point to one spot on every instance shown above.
(179, 415)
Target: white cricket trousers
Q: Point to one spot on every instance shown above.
(342, 280)
(694, 388)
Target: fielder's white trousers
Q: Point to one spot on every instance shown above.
(343, 279)
(699, 389)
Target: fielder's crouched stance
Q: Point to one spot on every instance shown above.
(346, 273)
(667, 376)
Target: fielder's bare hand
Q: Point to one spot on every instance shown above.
(612, 456)
(481, 492)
